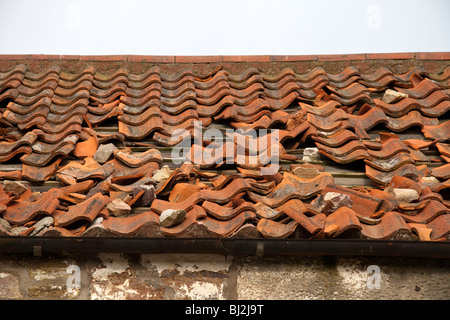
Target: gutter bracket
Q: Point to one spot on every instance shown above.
(259, 249)
(37, 251)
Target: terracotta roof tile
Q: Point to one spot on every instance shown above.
(54, 121)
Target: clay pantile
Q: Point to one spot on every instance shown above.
(20, 150)
(432, 210)
(313, 225)
(190, 226)
(293, 187)
(336, 112)
(434, 105)
(219, 77)
(221, 87)
(228, 193)
(115, 90)
(418, 144)
(177, 76)
(347, 82)
(421, 230)
(140, 81)
(20, 212)
(58, 136)
(402, 182)
(146, 223)
(243, 76)
(143, 130)
(412, 118)
(12, 84)
(159, 205)
(369, 119)
(427, 194)
(265, 121)
(273, 229)
(102, 109)
(337, 139)
(383, 178)
(252, 114)
(182, 191)
(138, 159)
(341, 220)
(354, 155)
(442, 172)
(40, 174)
(11, 175)
(69, 100)
(390, 164)
(314, 84)
(83, 81)
(57, 118)
(344, 74)
(28, 101)
(107, 77)
(224, 228)
(265, 212)
(381, 77)
(443, 148)
(24, 90)
(39, 76)
(327, 123)
(361, 98)
(27, 139)
(129, 187)
(341, 151)
(277, 81)
(440, 132)
(20, 119)
(391, 146)
(149, 97)
(77, 108)
(9, 94)
(353, 90)
(362, 204)
(86, 148)
(440, 227)
(323, 110)
(19, 69)
(91, 169)
(45, 148)
(226, 213)
(54, 129)
(275, 104)
(42, 159)
(282, 91)
(421, 90)
(86, 210)
(442, 76)
(392, 226)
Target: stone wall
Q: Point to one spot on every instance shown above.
(208, 276)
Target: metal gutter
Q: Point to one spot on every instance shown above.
(301, 247)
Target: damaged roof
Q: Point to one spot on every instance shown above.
(363, 146)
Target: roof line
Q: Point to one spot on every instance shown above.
(266, 247)
(234, 58)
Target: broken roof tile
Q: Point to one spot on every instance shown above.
(54, 121)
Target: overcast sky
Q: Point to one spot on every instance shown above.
(227, 27)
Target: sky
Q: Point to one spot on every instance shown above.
(227, 27)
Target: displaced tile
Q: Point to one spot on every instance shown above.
(86, 210)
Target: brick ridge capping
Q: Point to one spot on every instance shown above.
(234, 58)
